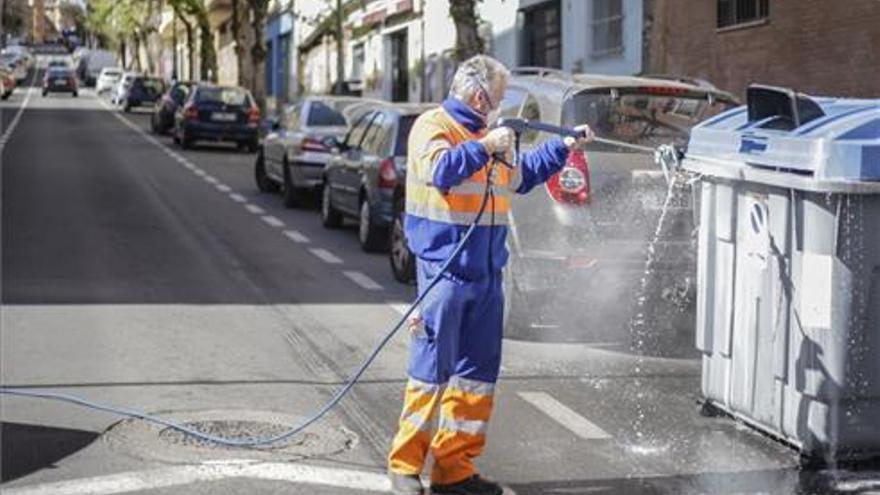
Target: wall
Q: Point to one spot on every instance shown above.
(815, 46)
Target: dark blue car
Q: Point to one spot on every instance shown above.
(144, 91)
(218, 114)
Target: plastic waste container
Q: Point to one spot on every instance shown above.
(788, 305)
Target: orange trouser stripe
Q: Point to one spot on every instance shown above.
(460, 438)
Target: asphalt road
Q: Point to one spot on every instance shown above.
(138, 274)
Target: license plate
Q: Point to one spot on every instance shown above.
(59, 83)
(223, 116)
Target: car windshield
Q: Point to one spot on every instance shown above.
(112, 75)
(403, 128)
(149, 85)
(59, 73)
(226, 96)
(322, 114)
(640, 116)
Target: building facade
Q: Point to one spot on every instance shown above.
(403, 50)
(814, 46)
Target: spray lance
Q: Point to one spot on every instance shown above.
(666, 156)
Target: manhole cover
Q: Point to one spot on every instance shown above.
(149, 441)
(234, 430)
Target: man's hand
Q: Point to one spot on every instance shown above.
(580, 143)
(499, 140)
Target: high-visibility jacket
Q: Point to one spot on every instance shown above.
(447, 170)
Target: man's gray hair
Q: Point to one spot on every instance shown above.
(474, 74)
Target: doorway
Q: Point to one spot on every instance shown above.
(399, 66)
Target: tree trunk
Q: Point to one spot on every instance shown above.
(339, 87)
(136, 52)
(467, 40)
(240, 36)
(258, 51)
(207, 54)
(189, 48)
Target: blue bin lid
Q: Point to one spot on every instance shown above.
(790, 133)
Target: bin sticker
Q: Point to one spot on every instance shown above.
(752, 144)
(815, 290)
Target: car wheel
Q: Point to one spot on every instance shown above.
(369, 234)
(127, 107)
(45, 93)
(289, 192)
(253, 146)
(153, 126)
(330, 216)
(185, 141)
(264, 183)
(175, 136)
(75, 94)
(403, 262)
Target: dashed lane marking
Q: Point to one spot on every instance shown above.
(272, 221)
(256, 210)
(223, 188)
(14, 123)
(168, 477)
(326, 256)
(237, 198)
(211, 179)
(565, 416)
(364, 281)
(296, 236)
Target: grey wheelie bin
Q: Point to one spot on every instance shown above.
(788, 308)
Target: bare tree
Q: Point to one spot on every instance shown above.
(467, 39)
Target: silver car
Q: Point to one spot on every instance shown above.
(293, 154)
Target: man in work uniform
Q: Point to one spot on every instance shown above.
(455, 352)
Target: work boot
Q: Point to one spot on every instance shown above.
(405, 484)
(475, 485)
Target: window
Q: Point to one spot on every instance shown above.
(357, 62)
(733, 12)
(291, 120)
(542, 36)
(374, 137)
(353, 139)
(607, 28)
(321, 114)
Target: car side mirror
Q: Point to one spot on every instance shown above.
(334, 145)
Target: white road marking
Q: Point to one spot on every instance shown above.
(362, 280)
(272, 221)
(132, 481)
(14, 123)
(326, 256)
(223, 188)
(199, 172)
(399, 307)
(237, 197)
(296, 236)
(565, 416)
(211, 179)
(256, 210)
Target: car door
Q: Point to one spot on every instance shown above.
(341, 165)
(375, 147)
(277, 139)
(354, 168)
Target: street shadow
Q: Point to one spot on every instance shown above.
(786, 480)
(26, 448)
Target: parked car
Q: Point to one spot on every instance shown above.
(142, 91)
(23, 53)
(218, 113)
(579, 248)
(361, 177)
(107, 79)
(293, 154)
(7, 83)
(16, 64)
(59, 80)
(162, 119)
(120, 90)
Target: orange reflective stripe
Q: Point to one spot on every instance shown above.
(453, 455)
(464, 405)
(408, 450)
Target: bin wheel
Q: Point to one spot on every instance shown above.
(710, 410)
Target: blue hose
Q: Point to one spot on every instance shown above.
(255, 442)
